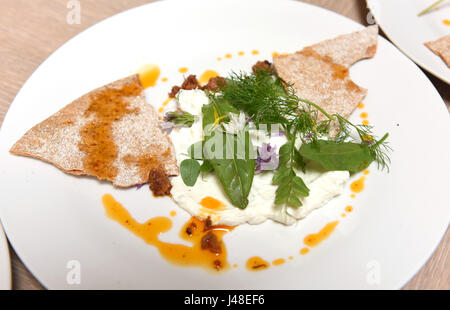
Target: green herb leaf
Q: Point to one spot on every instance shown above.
(180, 118)
(332, 155)
(189, 169)
(290, 186)
(206, 166)
(235, 174)
(195, 151)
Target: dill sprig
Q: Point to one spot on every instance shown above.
(266, 99)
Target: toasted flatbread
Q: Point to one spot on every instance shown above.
(110, 133)
(319, 73)
(441, 47)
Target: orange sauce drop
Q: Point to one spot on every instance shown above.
(256, 263)
(181, 255)
(255, 52)
(166, 102)
(275, 54)
(212, 203)
(241, 53)
(219, 58)
(149, 74)
(291, 257)
(315, 239)
(366, 172)
(365, 122)
(446, 22)
(278, 261)
(164, 79)
(361, 105)
(183, 70)
(173, 213)
(343, 215)
(235, 265)
(358, 185)
(348, 209)
(364, 115)
(204, 78)
(304, 251)
(228, 55)
(353, 195)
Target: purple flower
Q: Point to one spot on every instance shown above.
(267, 158)
(139, 186)
(167, 126)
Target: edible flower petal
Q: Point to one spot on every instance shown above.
(267, 159)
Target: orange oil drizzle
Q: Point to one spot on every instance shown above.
(304, 251)
(358, 185)
(212, 203)
(149, 74)
(204, 78)
(181, 255)
(183, 70)
(278, 261)
(256, 263)
(313, 240)
(163, 105)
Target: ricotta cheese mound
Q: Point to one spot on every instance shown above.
(323, 185)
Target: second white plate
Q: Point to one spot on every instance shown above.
(409, 32)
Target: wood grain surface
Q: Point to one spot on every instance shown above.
(30, 30)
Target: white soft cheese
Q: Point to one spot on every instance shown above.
(323, 185)
(192, 100)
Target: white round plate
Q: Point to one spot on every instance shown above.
(409, 32)
(57, 223)
(5, 264)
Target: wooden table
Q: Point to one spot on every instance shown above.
(30, 30)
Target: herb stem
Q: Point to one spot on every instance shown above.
(431, 7)
(381, 141)
(330, 117)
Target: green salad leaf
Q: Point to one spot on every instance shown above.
(189, 170)
(234, 172)
(333, 155)
(290, 186)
